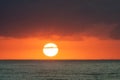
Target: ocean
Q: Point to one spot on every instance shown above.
(59, 70)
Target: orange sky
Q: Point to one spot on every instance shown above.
(31, 48)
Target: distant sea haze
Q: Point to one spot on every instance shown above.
(59, 70)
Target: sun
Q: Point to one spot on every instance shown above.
(50, 49)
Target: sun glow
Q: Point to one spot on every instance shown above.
(50, 49)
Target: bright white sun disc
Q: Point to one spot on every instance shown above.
(50, 49)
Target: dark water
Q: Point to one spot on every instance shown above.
(59, 70)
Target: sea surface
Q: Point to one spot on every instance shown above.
(59, 70)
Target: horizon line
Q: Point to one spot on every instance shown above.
(60, 59)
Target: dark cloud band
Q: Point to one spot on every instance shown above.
(24, 18)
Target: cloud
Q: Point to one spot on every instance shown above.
(115, 34)
(64, 18)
